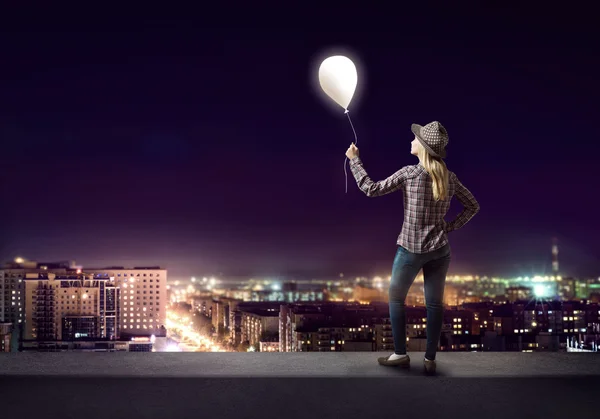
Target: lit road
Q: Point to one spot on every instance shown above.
(181, 330)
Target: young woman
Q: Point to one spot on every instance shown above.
(423, 242)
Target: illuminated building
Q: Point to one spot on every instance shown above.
(5, 337)
(59, 302)
(518, 293)
(257, 324)
(12, 290)
(69, 307)
(143, 300)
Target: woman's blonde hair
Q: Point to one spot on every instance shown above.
(437, 170)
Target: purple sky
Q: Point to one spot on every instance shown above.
(204, 146)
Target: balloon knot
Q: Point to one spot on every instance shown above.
(346, 111)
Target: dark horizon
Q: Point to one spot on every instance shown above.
(137, 140)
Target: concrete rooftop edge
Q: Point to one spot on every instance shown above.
(294, 364)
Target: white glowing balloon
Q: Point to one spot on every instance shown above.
(338, 78)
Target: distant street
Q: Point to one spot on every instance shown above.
(184, 328)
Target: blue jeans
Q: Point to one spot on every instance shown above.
(404, 271)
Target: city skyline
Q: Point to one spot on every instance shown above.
(208, 149)
(63, 307)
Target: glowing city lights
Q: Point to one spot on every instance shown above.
(182, 326)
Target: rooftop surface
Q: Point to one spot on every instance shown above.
(295, 364)
(296, 385)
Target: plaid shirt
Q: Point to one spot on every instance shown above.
(424, 228)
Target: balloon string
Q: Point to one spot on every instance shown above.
(355, 142)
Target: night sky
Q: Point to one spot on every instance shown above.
(200, 141)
